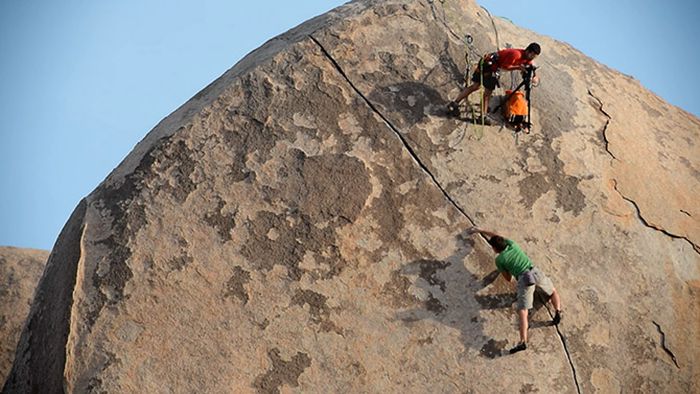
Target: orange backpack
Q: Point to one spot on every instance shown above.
(516, 107)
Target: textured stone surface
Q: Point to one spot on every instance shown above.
(20, 270)
(298, 226)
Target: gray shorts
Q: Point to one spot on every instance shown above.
(527, 293)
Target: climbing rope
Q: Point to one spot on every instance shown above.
(469, 42)
(444, 17)
(511, 72)
(495, 30)
(479, 131)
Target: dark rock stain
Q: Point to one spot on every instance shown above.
(528, 388)
(177, 263)
(296, 234)
(128, 217)
(326, 188)
(224, 223)
(532, 188)
(428, 269)
(493, 348)
(287, 249)
(495, 301)
(235, 287)
(282, 372)
(178, 161)
(490, 178)
(317, 303)
(396, 290)
(434, 305)
(568, 196)
(251, 136)
(385, 211)
(689, 166)
(408, 100)
(95, 383)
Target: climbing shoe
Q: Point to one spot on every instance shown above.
(557, 318)
(453, 109)
(518, 348)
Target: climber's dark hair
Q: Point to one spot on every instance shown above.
(534, 47)
(498, 243)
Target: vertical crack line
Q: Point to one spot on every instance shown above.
(605, 138)
(652, 226)
(562, 338)
(605, 128)
(568, 357)
(600, 108)
(427, 171)
(663, 344)
(396, 131)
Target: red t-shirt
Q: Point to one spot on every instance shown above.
(509, 59)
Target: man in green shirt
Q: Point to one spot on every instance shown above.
(512, 262)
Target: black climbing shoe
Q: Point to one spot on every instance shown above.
(453, 109)
(557, 318)
(519, 348)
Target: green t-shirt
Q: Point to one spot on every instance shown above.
(513, 260)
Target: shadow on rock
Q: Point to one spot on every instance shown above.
(451, 294)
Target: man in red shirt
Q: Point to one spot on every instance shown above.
(505, 59)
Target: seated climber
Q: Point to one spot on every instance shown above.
(513, 262)
(505, 59)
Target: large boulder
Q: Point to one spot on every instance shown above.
(20, 270)
(299, 225)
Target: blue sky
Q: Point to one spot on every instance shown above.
(84, 80)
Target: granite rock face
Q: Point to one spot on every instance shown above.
(298, 226)
(20, 270)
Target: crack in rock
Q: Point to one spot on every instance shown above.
(663, 344)
(636, 206)
(605, 127)
(396, 131)
(562, 338)
(650, 225)
(415, 157)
